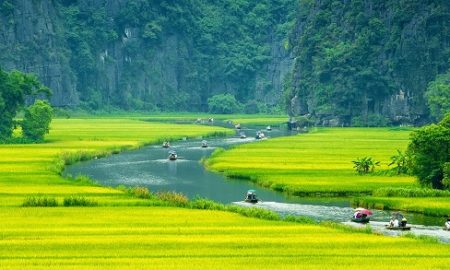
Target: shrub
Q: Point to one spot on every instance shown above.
(173, 198)
(40, 202)
(224, 104)
(36, 122)
(140, 192)
(78, 201)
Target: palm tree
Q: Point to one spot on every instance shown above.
(365, 165)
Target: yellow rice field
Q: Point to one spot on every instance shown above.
(122, 233)
(170, 238)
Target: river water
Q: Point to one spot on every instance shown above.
(150, 167)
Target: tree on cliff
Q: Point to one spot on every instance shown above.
(14, 87)
(429, 152)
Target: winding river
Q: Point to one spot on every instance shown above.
(150, 167)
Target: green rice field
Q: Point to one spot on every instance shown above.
(125, 232)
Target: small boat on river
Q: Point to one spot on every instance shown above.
(361, 215)
(268, 128)
(398, 222)
(365, 219)
(251, 196)
(166, 144)
(242, 135)
(260, 135)
(399, 228)
(204, 144)
(173, 155)
(237, 126)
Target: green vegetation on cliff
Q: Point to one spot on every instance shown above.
(361, 59)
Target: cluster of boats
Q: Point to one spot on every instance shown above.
(173, 154)
(398, 220)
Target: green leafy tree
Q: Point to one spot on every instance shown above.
(36, 122)
(365, 165)
(429, 150)
(400, 162)
(446, 180)
(14, 86)
(438, 95)
(224, 103)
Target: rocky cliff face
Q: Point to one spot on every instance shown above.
(130, 54)
(30, 41)
(361, 59)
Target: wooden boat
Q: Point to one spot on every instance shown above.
(361, 219)
(251, 197)
(204, 144)
(400, 228)
(173, 156)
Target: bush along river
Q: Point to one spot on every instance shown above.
(150, 167)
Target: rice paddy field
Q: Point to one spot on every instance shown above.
(317, 162)
(28, 169)
(171, 238)
(124, 232)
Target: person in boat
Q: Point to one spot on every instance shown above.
(251, 196)
(404, 221)
(357, 214)
(394, 223)
(173, 155)
(238, 126)
(166, 144)
(204, 144)
(447, 224)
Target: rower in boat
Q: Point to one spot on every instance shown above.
(251, 196)
(361, 215)
(204, 144)
(173, 155)
(260, 135)
(398, 222)
(166, 144)
(447, 224)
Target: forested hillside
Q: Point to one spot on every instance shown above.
(359, 62)
(140, 54)
(367, 61)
